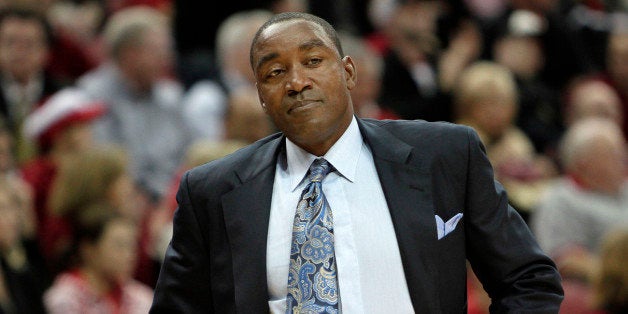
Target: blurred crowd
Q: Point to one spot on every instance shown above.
(105, 103)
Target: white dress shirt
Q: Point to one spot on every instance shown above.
(370, 272)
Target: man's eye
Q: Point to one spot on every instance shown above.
(314, 61)
(274, 73)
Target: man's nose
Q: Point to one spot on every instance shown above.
(298, 80)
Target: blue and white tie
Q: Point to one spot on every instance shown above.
(312, 279)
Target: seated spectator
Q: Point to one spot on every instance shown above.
(579, 208)
(135, 83)
(100, 174)
(61, 128)
(410, 79)
(23, 276)
(100, 279)
(486, 99)
(592, 195)
(25, 44)
(611, 279)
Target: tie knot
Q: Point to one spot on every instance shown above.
(319, 170)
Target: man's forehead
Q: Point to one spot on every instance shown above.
(296, 28)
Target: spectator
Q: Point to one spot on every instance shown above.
(25, 39)
(142, 99)
(61, 128)
(100, 174)
(100, 280)
(485, 98)
(207, 100)
(410, 80)
(592, 195)
(76, 48)
(579, 208)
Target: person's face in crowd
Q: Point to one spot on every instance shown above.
(114, 255)
(304, 84)
(10, 222)
(522, 55)
(604, 168)
(23, 48)
(151, 59)
(596, 99)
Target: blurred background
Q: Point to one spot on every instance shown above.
(104, 104)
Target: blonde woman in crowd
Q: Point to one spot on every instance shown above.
(100, 175)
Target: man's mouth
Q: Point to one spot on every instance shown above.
(302, 105)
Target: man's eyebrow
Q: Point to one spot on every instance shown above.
(265, 58)
(311, 44)
(303, 47)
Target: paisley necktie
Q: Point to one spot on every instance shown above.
(312, 279)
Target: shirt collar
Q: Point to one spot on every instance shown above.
(343, 155)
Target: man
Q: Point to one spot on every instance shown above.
(232, 247)
(25, 39)
(142, 98)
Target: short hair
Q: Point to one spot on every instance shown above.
(288, 16)
(128, 26)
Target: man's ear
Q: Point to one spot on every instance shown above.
(350, 71)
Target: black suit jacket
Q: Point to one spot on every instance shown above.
(216, 261)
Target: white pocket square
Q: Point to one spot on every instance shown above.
(444, 228)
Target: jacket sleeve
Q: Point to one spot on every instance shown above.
(184, 284)
(518, 276)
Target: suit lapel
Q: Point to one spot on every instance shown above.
(406, 185)
(247, 211)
